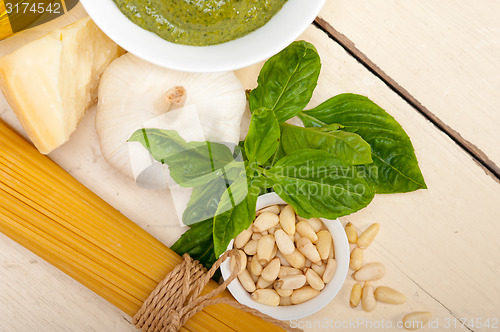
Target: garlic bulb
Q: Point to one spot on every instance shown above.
(135, 94)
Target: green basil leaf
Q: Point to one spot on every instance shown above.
(287, 81)
(344, 145)
(317, 184)
(395, 166)
(280, 153)
(263, 136)
(204, 201)
(232, 222)
(190, 163)
(198, 243)
(309, 121)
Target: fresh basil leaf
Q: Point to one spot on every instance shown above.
(190, 163)
(162, 144)
(309, 121)
(204, 201)
(395, 166)
(198, 243)
(280, 153)
(317, 184)
(287, 81)
(344, 145)
(241, 149)
(227, 225)
(263, 136)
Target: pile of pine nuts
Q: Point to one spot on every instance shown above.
(366, 294)
(284, 259)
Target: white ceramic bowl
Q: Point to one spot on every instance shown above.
(308, 308)
(281, 30)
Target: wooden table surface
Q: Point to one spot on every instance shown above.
(434, 66)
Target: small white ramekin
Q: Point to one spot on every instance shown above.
(281, 30)
(310, 307)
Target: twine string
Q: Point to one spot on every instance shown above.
(176, 298)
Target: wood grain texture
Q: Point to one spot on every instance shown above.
(443, 56)
(439, 245)
(433, 241)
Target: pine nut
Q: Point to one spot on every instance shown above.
(356, 259)
(287, 220)
(251, 247)
(314, 280)
(263, 283)
(319, 268)
(273, 209)
(243, 238)
(266, 296)
(285, 245)
(416, 320)
(272, 230)
(316, 224)
(285, 300)
(308, 263)
(332, 251)
(355, 297)
(264, 233)
(303, 294)
(370, 272)
(255, 266)
(282, 258)
(288, 271)
(308, 249)
(330, 269)
(254, 277)
(265, 249)
(275, 251)
(305, 230)
(296, 259)
(282, 292)
(324, 244)
(271, 271)
(242, 258)
(291, 282)
(368, 301)
(367, 237)
(246, 281)
(256, 236)
(351, 232)
(296, 237)
(265, 221)
(389, 295)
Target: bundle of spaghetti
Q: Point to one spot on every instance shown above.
(49, 212)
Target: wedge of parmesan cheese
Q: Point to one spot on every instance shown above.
(50, 82)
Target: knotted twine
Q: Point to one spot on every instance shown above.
(175, 300)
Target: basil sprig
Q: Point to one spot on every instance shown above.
(395, 166)
(349, 149)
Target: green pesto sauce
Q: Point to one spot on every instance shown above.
(200, 22)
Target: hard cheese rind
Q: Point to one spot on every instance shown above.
(50, 82)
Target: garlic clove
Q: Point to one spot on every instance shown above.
(134, 93)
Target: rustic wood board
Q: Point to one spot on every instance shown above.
(445, 54)
(439, 245)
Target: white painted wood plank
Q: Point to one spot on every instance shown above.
(445, 53)
(36, 297)
(439, 244)
(431, 241)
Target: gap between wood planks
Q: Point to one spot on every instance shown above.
(479, 156)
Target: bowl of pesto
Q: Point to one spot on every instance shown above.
(203, 35)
